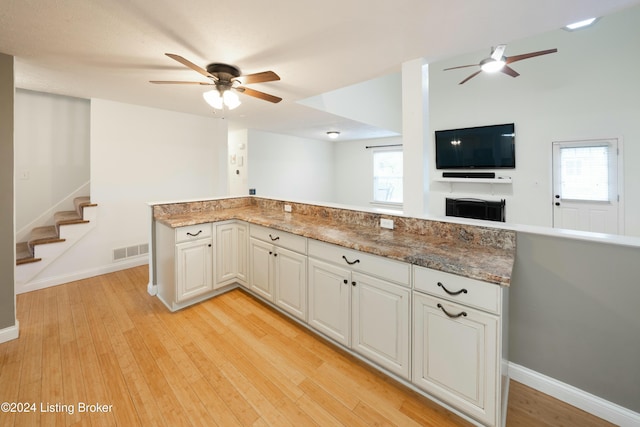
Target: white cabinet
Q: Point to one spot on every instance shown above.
(232, 253)
(368, 314)
(184, 263)
(193, 268)
(278, 269)
(457, 342)
(330, 300)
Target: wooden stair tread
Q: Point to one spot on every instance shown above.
(24, 254)
(51, 234)
(68, 217)
(44, 235)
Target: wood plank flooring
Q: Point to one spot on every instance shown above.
(102, 352)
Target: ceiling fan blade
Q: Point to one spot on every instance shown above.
(265, 76)
(509, 71)
(258, 94)
(498, 52)
(460, 66)
(515, 58)
(191, 65)
(173, 82)
(470, 77)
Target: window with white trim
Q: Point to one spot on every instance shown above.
(387, 176)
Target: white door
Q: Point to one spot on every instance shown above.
(194, 261)
(226, 259)
(261, 272)
(585, 185)
(291, 282)
(330, 300)
(455, 357)
(380, 322)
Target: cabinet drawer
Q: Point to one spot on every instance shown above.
(193, 232)
(280, 238)
(462, 290)
(384, 268)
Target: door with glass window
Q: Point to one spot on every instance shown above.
(585, 185)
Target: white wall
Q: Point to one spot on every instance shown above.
(588, 89)
(237, 161)
(51, 157)
(138, 155)
(289, 167)
(353, 170)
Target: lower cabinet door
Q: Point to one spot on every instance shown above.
(194, 262)
(261, 254)
(291, 282)
(330, 300)
(380, 322)
(455, 355)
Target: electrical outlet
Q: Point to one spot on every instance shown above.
(386, 223)
(287, 208)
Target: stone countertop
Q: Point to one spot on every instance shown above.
(485, 263)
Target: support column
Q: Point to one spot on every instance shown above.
(415, 132)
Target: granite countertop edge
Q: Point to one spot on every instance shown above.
(486, 264)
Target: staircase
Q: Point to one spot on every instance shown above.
(47, 243)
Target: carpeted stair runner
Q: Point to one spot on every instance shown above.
(51, 234)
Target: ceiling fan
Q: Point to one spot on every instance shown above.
(498, 62)
(225, 78)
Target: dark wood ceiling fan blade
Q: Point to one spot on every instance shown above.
(258, 94)
(173, 82)
(509, 71)
(515, 58)
(460, 66)
(265, 76)
(470, 77)
(191, 65)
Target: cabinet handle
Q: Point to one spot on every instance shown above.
(275, 254)
(353, 283)
(194, 235)
(461, 291)
(350, 262)
(273, 239)
(209, 244)
(453, 316)
(345, 281)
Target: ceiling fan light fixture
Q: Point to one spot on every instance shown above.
(213, 98)
(219, 101)
(580, 24)
(231, 99)
(491, 65)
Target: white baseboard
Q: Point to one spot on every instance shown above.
(36, 284)
(10, 333)
(590, 403)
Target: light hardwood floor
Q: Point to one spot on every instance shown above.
(230, 361)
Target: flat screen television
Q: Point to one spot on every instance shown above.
(482, 147)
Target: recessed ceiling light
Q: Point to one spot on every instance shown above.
(580, 24)
(333, 134)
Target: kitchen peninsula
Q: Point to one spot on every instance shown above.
(409, 300)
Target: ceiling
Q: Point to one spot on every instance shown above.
(111, 49)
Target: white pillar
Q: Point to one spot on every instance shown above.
(415, 133)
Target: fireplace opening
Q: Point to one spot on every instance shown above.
(476, 208)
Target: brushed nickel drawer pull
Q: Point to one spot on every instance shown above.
(194, 235)
(461, 291)
(453, 316)
(350, 262)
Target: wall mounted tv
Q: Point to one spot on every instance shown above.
(482, 147)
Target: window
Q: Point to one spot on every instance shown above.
(584, 173)
(387, 176)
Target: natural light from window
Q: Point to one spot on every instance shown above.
(387, 176)
(585, 173)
